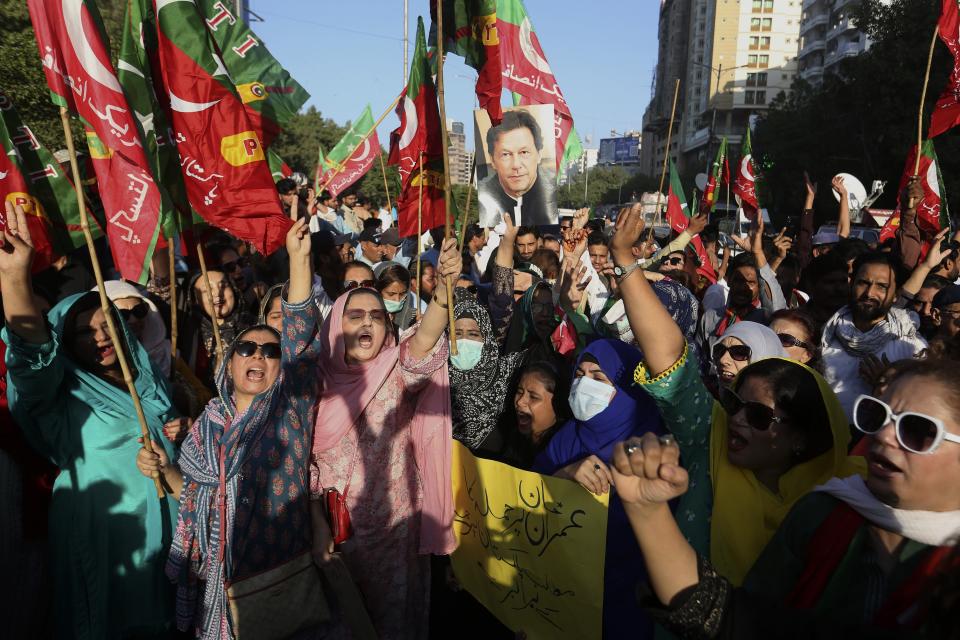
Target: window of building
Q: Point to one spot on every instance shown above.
(752, 60)
(757, 5)
(767, 23)
(762, 79)
(751, 79)
(749, 97)
(764, 60)
(754, 42)
(755, 24)
(761, 97)
(765, 42)
(768, 5)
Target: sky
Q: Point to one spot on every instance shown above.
(347, 53)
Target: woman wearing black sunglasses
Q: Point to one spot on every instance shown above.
(784, 432)
(872, 558)
(243, 472)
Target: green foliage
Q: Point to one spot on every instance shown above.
(299, 142)
(605, 185)
(862, 120)
(460, 192)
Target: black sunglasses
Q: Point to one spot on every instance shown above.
(787, 340)
(138, 311)
(675, 260)
(269, 350)
(350, 285)
(233, 265)
(758, 416)
(739, 352)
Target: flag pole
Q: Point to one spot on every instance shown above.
(118, 346)
(419, 233)
(666, 154)
(923, 97)
(172, 256)
(466, 214)
(213, 319)
(446, 173)
(386, 189)
(376, 124)
(406, 40)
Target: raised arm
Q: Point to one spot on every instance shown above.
(908, 233)
(656, 333)
(434, 321)
(21, 314)
(506, 248)
(843, 218)
(301, 268)
(805, 237)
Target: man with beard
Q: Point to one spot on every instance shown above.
(868, 331)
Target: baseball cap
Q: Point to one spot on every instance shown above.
(390, 236)
(370, 235)
(342, 238)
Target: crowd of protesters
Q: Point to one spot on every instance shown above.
(778, 429)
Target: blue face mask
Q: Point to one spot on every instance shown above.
(468, 354)
(393, 306)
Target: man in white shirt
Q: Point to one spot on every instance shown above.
(867, 331)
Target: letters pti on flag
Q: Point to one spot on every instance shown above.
(530, 547)
(946, 113)
(352, 156)
(418, 142)
(528, 75)
(471, 32)
(32, 178)
(745, 184)
(81, 78)
(222, 160)
(264, 86)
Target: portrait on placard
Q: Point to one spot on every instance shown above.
(516, 166)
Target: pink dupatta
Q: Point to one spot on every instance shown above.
(349, 388)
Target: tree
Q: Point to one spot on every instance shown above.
(861, 120)
(605, 185)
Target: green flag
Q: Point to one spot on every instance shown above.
(352, 156)
(264, 86)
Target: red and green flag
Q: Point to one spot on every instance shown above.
(222, 159)
(31, 177)
(745, 185)
(76, 62)
(946, 113)
(471, 32)
(933, 214)
(678, 217)
(715, 178)
(528, 75)
(417, 144)
(264, 86)
(351, 158)
(279, 169)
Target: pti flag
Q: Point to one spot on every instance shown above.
(471, 32)
(77, 66)
(678, 218)
(416, 147)
(264, 86)
(946, 113)
(745, 184)
(222, 160)
(932, 211)
(135, 66)
(528, 75)
(352, 156)
(32, 178)
(716, 177)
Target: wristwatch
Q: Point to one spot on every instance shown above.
(622, 272)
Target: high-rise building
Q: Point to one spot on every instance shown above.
(732, 58)
(828, 34)
(461, 160)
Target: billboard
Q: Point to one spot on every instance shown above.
(619, 150)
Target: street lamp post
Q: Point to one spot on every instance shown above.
(719, 70)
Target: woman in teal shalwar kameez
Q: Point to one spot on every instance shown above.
(109, 533)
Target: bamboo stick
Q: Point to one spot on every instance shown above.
(446, 174)
(376, 124)
(213, 307)
(172, 255)
(118, 345)
(383, 171)
(666, 154)
(419, 234)
(923, 98)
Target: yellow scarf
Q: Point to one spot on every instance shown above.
(745, 512)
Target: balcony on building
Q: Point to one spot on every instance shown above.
(813, 21)
(809, 3)
(699, 138)
(841, 27)
(812, 74)
(812, 44)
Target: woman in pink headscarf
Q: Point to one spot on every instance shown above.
(382, 438)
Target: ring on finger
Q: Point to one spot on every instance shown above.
(630, 448)
(666, 440)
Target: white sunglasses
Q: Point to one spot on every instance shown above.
(916, 432)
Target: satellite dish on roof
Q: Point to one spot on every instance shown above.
(701, 181)
(856, 192)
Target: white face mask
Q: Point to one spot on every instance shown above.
(589, 397)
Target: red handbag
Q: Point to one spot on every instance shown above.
(338, 517)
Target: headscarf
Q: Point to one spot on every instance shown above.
(234, 324)
(761, 339)
(745, 513)
(272, 293)
(631, 412)
(522, 332)
(897, 324)
(407, 316)
(154, 336)
(201, 525)
(349, 388)
(479, 395)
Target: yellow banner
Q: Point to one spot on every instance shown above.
(531, 547)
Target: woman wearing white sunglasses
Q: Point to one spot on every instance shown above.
(858, 553)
